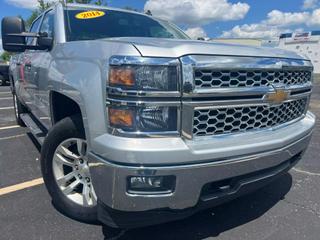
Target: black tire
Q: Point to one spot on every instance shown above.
(112, 233)
(2, 81)
(18, 110)
(70, 127)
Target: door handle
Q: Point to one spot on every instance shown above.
(28, 67)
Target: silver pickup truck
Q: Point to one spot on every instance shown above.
(141, 125)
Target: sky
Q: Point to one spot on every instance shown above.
(214, 18)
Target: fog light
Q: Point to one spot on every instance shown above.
(151, 185)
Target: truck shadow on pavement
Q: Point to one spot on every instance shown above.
(213, 222)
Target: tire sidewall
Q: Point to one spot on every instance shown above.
(2, 81)
(63, 130)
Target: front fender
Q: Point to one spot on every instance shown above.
(79, 71)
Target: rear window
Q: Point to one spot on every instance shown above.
(118, 24)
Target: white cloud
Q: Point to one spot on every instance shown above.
(29, 4)
(196, 32)
(197, 12)
(310, 4)
(278, 18)
(285, 19)
(277, 22)
(253, 31)
(315, 18)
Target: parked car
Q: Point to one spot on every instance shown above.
(4, 77)
(141, 125)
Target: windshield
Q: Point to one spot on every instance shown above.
(111, 23)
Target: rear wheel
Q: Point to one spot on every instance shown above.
(18, 109)
(65, 169)
(2, 81)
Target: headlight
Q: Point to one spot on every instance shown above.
(143, 96)
(147, 119)
(144, 74)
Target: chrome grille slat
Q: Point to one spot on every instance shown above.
(242, 119)
(211, 78)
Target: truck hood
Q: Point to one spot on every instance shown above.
(157, 47)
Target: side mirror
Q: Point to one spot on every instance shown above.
(200, 39)
(45, 42)
(12, 27)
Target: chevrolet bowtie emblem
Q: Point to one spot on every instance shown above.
(277, 97)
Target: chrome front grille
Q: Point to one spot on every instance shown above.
(216, 121)
(234, 94)
(207, 78)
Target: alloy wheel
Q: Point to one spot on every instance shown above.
(71, 172)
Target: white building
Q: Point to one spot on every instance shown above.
(238, 41)
(247, 41)
(304, 43)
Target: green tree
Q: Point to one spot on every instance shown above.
(42, 6)
(30, 19)
(5, 56)
(99, 2)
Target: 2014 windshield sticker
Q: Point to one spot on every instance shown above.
(90, 14)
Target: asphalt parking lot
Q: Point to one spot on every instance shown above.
(289, 208)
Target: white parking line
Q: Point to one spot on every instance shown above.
(306, 172)
(13, 137)
(21, 186)
(6, 108)
(5, 98)
(5, 93)
(9, 127)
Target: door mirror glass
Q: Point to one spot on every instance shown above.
(12, 27)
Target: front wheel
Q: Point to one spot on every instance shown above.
(65, 169)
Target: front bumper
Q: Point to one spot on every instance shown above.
(271, 151)
(244, 185)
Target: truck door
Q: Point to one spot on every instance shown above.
(41, 62)
(27, 86)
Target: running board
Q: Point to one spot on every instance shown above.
(34, 128)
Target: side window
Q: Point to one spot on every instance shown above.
(34, 29)
(48, 24)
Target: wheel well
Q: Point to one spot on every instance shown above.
(62, 107)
